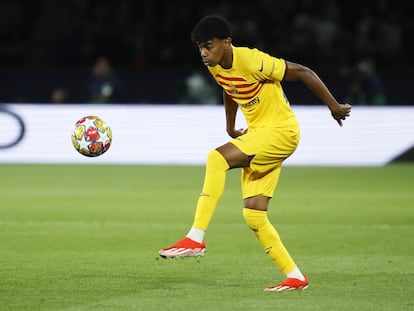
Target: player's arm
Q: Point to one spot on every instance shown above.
(297, 72)
(231, 113)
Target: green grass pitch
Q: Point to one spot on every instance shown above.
(80, 237)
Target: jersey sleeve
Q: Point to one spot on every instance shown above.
(268, 67)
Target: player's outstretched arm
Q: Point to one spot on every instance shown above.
(297, 72)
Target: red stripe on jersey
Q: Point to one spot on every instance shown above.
(237, 86)
(255, 93)
(230, 79)
(249, 91)
(236, 96)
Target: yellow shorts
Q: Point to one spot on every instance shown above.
(269, 147)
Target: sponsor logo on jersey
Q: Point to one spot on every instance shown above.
(251, 103)
(261, 67)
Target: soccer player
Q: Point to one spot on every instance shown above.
(251, 80)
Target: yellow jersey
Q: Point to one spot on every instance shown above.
(253, 82)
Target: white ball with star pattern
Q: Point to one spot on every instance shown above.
(91, 136)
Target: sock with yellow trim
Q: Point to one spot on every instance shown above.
(213, 187)
(269, 239)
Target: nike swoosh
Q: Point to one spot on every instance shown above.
(261, 67)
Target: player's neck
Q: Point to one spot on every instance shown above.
(227, 61)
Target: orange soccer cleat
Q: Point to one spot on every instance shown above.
(289, 284)
(184, 248)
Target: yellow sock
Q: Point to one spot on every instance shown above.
(213, 187)
(269, 239)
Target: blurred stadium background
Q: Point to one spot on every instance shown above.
(48, 48)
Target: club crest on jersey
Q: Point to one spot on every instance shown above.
(233, 89)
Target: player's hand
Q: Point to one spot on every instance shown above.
(236, 133)
(341, 112)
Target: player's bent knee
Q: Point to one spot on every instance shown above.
(215, 159)
(251, 216)
(255, 219)
(246, 215)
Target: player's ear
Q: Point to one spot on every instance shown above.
(227, 42)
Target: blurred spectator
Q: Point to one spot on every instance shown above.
(103, 85)
(327, 31)
(199, 90)
(59, 95)
(366, 86)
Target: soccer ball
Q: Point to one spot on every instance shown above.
(91, 136)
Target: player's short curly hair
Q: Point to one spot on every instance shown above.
(209, 27)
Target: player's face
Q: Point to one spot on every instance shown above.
(215, 51)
